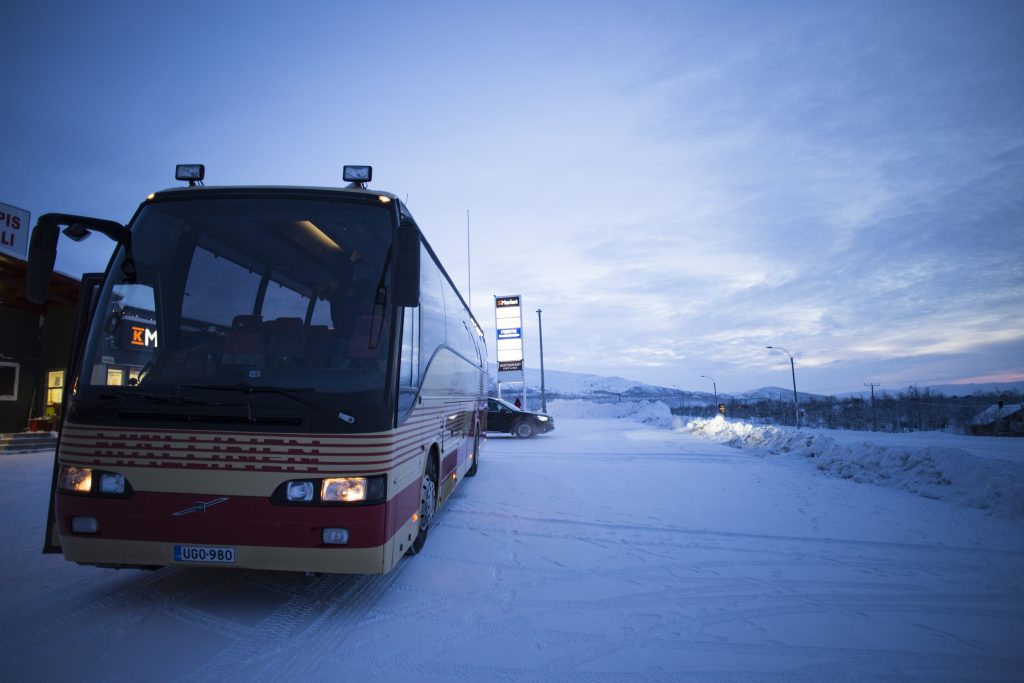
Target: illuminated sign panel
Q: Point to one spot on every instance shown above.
(14, 229)
(138, 335)
(508, 321)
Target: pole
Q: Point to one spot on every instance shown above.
(540, 335)
(715, 388)
(469, 268)
(792, 369)
(874, 419)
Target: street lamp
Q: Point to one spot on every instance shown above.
(713, 386)
(792, 369)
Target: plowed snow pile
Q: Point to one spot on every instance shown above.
(649, 412)
(931, 471)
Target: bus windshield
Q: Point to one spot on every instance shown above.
(282, 291)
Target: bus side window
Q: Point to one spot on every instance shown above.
(432, 314)
(410, 376)
(409, 368)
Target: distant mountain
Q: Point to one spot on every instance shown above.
(559, 382)
(947, 389)
(775, 394)
(573, 384)
(968, 389)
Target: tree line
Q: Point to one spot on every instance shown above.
(908, 410)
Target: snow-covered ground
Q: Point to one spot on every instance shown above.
(608, 550)
(978, 471)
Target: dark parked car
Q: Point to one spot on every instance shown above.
(502, 416)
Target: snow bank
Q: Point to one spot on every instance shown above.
(649, 412)
(928, 470)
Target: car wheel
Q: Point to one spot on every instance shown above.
(524, 430)
(428, 506)
(471, 472)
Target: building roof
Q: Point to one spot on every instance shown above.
(13, 274)
(994, 413)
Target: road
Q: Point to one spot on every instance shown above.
(606, 550)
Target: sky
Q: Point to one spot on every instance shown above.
(677, 185)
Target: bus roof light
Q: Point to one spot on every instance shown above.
(357, 175)
(193, 173)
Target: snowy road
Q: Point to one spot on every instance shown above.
(606, 550)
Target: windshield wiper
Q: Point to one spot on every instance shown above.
(107, 400)
(289, 392)
(153, 397)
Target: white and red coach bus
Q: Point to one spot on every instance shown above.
(267, 377)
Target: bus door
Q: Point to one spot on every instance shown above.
(87, 294)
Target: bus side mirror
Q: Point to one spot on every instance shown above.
(406, 271)
(42, 252)
(42, 246)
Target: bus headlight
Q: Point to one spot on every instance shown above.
(332, 491)
(344, 490)
(89, 482)
(75, 479)
(299, 491)
(111, 483)
(543, 418)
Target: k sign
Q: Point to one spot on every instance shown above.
(14, 229)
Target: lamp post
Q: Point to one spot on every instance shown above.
(792, 369)
(715, 387)
(540, 334)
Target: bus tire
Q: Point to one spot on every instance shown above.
(524, 430)
(428, 506)
(471, 472)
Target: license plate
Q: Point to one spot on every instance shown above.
(194, 553)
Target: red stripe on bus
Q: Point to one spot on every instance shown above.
(208, 519)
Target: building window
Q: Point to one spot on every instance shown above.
(54, 387)
(9, 381)
(115, 377)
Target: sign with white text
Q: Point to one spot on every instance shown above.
(14, 229)
(508, 321)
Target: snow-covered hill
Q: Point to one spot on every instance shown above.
(575, 384)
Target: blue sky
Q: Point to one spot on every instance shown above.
(677, 185)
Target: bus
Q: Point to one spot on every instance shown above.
(280, 378)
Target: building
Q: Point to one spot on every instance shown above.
(1001, 419)
(35, 345)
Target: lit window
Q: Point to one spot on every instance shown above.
(54, 387)
(115, 377)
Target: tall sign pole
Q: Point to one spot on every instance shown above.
(469, 268)
(540, 334)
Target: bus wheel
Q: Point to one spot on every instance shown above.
(524, 430)
(428, 505)
(471, 472)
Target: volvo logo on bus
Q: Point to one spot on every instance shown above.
(200, 506)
